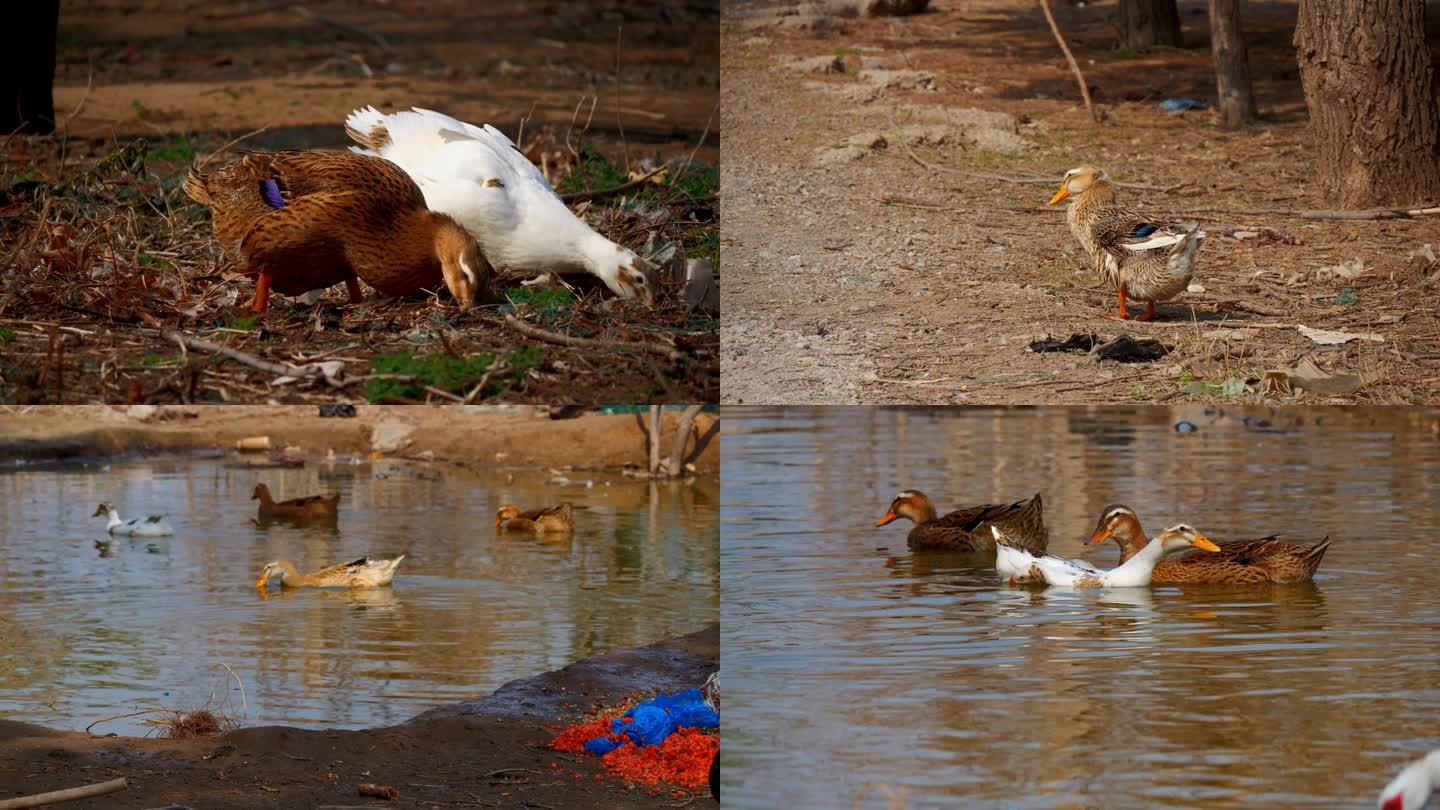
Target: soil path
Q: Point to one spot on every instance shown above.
(857, 275)
(490, 753)
(523, 436)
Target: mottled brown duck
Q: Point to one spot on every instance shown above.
(311, 507)
(362, 573)
(1241, 562)
(552, 519)
(1143, 257)
(969, 529)
(302, 221)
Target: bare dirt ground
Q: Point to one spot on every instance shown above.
(96, 237)
(856, 274)
(444, 433)
(489, 753)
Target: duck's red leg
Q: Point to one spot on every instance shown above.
(1124, 314)
(262, 293)
(353, 285)
(1149, 312)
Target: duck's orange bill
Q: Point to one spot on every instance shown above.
(889, 516)
(1203, 542)
(497, 522)
(1059, 195)
(1100, 536)
(260, 583)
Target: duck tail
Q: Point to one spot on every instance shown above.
(1310, 560)
(1182, 255)
(196, 187)
(366, 126)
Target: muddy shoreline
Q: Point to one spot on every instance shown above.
(519, 437)
(490, 752)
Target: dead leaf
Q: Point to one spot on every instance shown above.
(1326, 337)
(1309, 377)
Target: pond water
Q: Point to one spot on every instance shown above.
(859, 672)
(87, 633)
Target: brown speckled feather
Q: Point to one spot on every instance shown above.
(969, 529)
(1261, 561)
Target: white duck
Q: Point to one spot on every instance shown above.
(153, 526)
(480, 178)
(1411, 789)
(1016, 564)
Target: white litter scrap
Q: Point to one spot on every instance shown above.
(1325, 337)
(1351, 269)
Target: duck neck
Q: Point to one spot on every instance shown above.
(288, 574)
(598, 255)
(263, 493)
(114, 519)
(924, 512)
(1129, 535)
(1145, 559)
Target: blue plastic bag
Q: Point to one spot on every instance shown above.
(655, 719)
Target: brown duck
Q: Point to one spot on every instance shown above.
(313, 507)
(969, 529)
(1241, 562)
(553, 519)
(302, 221)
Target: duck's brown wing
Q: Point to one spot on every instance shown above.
(313, 172)
(232, 193)
(304, 246)
(1244, 562)
(307, 502)
(1115, 226)
(1021, 520)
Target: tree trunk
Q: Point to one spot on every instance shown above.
(656, 422)
(1366, 72)
(1232, 64)
(676, 466)
(27, 70)
(1144, 23)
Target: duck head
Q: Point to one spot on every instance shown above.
(466, 272)
(507, 512)
(103, 509)
(271, 569)
(911, 504)
(1077, 181)
(1180, 537)
(623, 271)
(1411, 789)
(1119, 523)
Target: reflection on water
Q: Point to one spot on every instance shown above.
(91, 629)
(853, 664)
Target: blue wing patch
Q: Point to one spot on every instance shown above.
(1143, 231)
(270, 192)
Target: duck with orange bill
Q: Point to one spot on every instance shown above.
(1144, 257)
(1263, 561)
(361, 573)
(302, 221)
(968, 529)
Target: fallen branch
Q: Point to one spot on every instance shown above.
(1313, 213)
(1069, 57)
(1028, 181)
(588, 343)
(280, 369)
(66, 795)
(601, 193)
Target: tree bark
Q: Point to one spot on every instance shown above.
(1144, 23)
(27, 70)
(676, 466)
(1366, 71)
(656, 422)
(1232, 65)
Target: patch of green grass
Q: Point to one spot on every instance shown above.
(244, 324)
(456, 375)
(707, 246)
(548, 303)
(160, 360)
(595, 169)
(177, 150)
(6, 335)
